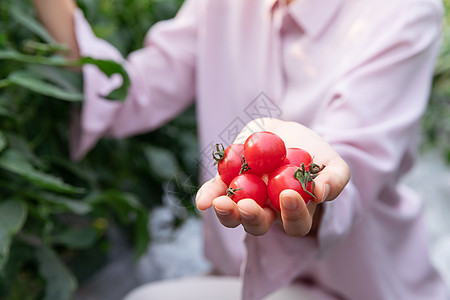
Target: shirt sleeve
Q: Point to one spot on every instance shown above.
(162, 76)
(371, 119)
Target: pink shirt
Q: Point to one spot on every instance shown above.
(357, 72)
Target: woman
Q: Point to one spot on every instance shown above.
(346, 80)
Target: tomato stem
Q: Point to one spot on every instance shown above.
(304, 177)
(231, 191)
(244, 165)
(218, 153)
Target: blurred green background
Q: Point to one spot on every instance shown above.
(55, 215)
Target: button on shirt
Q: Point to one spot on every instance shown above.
(356, 72)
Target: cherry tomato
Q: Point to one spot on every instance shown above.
(264, 152)
(297, 156)
(283, 179)
(248, 186)
(229, 162)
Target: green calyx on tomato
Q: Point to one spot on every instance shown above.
(218, 153)
(244, 166)
(304, 177)
(231, 191)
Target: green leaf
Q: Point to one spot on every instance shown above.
(14, 162)
(39, 86)
(60, 282)
(142, 237)
(75, 169)
(5, 112)
(13, 214)
(58, 61)
(29, 22)
(110, 68)
(5, 83)
(21, 144)
(63, 204)
(114, 197)
(162, 162)
(125, 205)
(77, 238)
(2, 39)
(63, 78)
(3, 142)
(31, 46)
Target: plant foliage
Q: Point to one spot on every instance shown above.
(436, 123)
(55, 214)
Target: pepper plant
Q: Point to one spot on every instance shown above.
(55, 214)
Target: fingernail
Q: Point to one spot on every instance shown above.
(326, 191)
(245, 215)
(290, 203)
(222, 212)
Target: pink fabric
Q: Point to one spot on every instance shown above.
(357, 72)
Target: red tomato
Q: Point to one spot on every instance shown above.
(283, 179)
(229, 161)
(297, 156)
(248, 186)
(264, 152)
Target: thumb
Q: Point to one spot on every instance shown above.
(209, 191)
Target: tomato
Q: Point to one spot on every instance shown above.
(229, 162)
(264, 152)
(248, 186)
(297, 156)
(284, 178)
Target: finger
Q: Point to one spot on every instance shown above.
(295, 214)
(209, 191)
(254, 219)
(331, 180)
(227, 211)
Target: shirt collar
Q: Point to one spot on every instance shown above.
(311, 15)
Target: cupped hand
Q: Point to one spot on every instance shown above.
(296, 217)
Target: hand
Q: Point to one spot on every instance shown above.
(296, 217)
(58, 17)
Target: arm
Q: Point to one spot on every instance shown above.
(162, 74)
(57, 17)
(373, 118)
